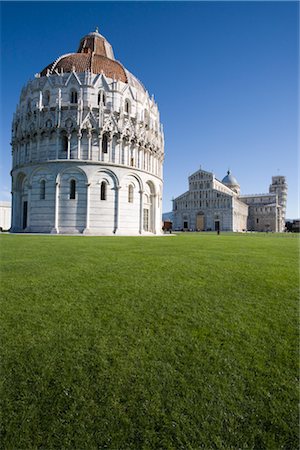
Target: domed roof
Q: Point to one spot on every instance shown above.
(95, 54)
(230, 180)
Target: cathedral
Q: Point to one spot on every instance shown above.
(87, 148)
(213, 205)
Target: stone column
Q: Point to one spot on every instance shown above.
(89, 139)
(79, 135)
(153, 212)
(87, 225)
(56, 209)
(112, 149)
(142, 158)
(109, 147)
(123, 156)
(100, 148)
(135, 155)
(141, 212)
(28, 207)
(117, 208)
(118, 150)
(69, 146)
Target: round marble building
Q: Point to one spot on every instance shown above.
(87, 148)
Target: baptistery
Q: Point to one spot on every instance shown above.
(87, 148)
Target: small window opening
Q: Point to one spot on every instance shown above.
(46, 99)
(146, 219)
(73, 97)
(72, 189)
(130, 193)
(104, 143)
(42, 190)
(101, 98)
(65, 143)
(127, 106)
(103, 190)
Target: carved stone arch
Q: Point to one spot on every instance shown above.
(136, 177)
(89, 121)
(49, 169)
(69, 122)
(109, 173)
(70, 169)
(19, 181)
(152, 187)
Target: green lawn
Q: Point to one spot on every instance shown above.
(184, 342)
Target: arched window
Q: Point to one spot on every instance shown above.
(64, 143)
(46, 98)
(101, 98)
(103, 190)
(127, 106)
(104, 143)
(72, 189)
(130, 193)
(28, 105)
(42, 190)
(73, 96)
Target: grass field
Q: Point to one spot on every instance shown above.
(185, 342)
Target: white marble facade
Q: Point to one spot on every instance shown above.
(87, 149)
(210, 204)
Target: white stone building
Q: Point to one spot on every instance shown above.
(210, 204)
(5, 215)
(88, 148)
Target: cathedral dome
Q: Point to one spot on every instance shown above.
(95, 55)
(230, 180)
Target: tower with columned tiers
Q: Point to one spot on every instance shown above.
(87, 148)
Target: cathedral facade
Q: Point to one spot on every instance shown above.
(212, 205)
(88, 148)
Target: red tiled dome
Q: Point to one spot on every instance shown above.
(94, 54)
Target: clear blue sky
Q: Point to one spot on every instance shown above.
(224, 74)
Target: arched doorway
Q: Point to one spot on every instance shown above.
(20, 203)
(200, 221)
(217, 223)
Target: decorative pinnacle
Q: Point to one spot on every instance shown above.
(97, 30)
